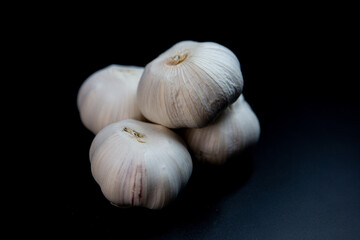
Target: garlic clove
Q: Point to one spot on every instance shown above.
(236, 129)
(189, 84)
(108, 96)
(139, 164)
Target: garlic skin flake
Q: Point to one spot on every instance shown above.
(236, 129)
(108, 96)
(139, 164)
(189, 84)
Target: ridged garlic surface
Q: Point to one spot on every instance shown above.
(236, 129)
(108, 96)
(139, 164)
(189, 84)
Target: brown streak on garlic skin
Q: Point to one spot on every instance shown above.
(137, 171)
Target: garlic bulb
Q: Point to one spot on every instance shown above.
(236, 129)
(108, 96)
(189, 84)
(139, 164)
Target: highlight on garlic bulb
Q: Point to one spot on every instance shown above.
(139, 164)
(189, 84)
(236, 129)
(108, 96)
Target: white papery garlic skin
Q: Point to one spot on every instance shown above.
(108, 96)
(189, 84)
(139, 164)
(236, 129)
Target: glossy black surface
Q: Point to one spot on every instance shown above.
(301, 181)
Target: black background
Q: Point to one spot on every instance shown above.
(302, 179)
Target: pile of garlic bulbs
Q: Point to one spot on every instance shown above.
(194, 87)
